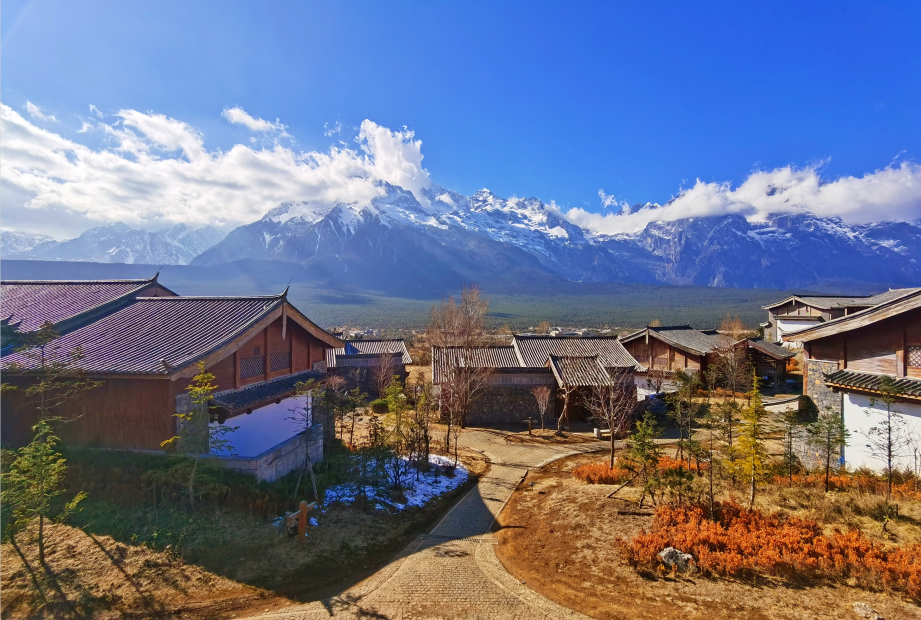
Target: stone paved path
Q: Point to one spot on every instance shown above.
(453, 572)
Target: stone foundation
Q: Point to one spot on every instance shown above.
(823, 397)
(281, 459)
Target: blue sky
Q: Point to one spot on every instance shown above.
(554, 100)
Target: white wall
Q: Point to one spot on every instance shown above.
(860, 417)
(791, 327)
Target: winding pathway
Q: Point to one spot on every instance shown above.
(453, 571)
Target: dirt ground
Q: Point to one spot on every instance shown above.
(558, 537)
(93, 575)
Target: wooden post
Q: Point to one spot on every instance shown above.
(529, 425)
(302, 523)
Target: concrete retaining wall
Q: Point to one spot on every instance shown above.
(281, 459)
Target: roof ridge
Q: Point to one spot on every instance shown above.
(127, 281)
(210, 297)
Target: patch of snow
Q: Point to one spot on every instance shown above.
(417, 492)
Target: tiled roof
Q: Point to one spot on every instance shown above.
(699, 342)
(769, 348)
(263, 392)
(480, 357)
(872, 382)
(828, 302)
(584, 371)
(33, 302)
(909, 299)
(368, 347)
(533, 351)
(159, 335)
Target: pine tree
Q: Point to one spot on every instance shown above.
(33, 480)
(750, 448)
(828, 434)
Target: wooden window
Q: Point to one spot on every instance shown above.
(280, 361)
(914, 357)
(252, 367)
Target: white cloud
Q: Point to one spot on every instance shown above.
(330, 131)
(611, 201)
(156, 171)
(893, 193)
(238, 116)
(36, 112)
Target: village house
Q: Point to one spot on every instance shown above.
(673, 348)
(532, 361)
(145, 350)
(799, 312)
(845, 360)
(360, 361)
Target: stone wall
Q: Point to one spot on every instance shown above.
(363, 378)
(823, 397)
(281, 459)
(508, 404)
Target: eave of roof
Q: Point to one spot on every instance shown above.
(871, 383)
(909, 301)
(812, 302)
(262, 393)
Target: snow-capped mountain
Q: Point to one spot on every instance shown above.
(119, 243)
(444, 237)
(12, 242)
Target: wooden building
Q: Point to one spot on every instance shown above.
(846, 358)
(768, 360)
(674, 348)
(145, 350)
(799, 312)
(526, 363)
(360, 361)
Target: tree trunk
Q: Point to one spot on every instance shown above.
(41, 539)
(612, 447)
(192, 484)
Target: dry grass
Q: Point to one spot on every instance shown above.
(221, 563)
(558, 537)
(96, 576)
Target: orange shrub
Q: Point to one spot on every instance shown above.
(744, 543)
(600, 473)
(904, 486)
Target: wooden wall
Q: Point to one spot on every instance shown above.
(121, 413)
(878, 348)
(662, 356)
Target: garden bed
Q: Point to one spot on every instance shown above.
(560, 536)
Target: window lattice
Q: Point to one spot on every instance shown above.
(280, 361)
(252, 367)
(914, 357)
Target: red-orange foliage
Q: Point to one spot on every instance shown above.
(744, 543)
(599, 473)
(908, 487)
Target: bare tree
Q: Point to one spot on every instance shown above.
(465, 380)
(655, 379)
(566, 392)
(888, 437)
(457, 328)
(384, 368)
(543, 328)
(462, 323)
(542, 395)
(614, 404)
